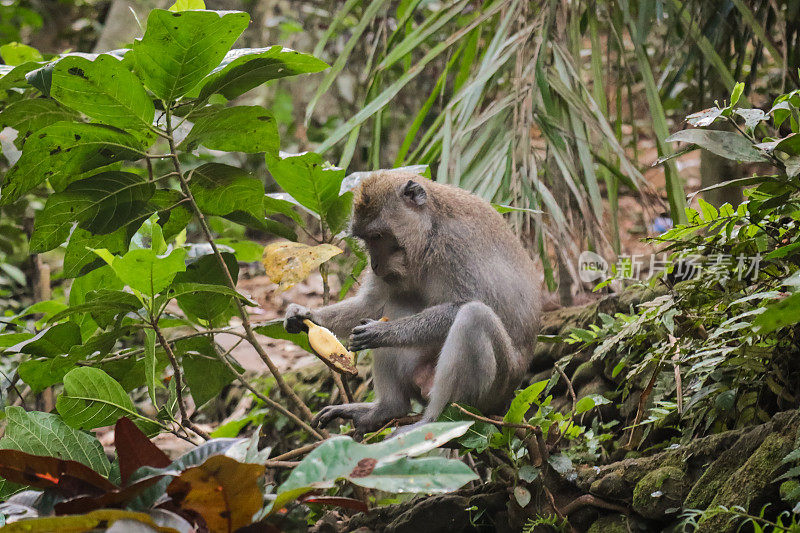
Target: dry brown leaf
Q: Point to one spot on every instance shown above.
(222, 490)
(289, 262)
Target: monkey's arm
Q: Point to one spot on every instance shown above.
(343, 316)
(428, 327)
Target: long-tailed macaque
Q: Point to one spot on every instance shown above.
(459, 290)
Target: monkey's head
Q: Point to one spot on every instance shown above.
(391, 215)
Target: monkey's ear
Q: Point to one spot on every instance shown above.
(414, 193)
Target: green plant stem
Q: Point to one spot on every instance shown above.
(176, 371)
(266, 399)
(251, 338)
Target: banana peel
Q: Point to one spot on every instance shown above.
(330, 350)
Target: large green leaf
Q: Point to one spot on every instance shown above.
(249, 129)
(727, 144)
(63, 151)
(205, 374)
(18, 53)
(522, 402)
(42, 77)
(385, 465)
(193, 289)
(28, 116)
(308, 178)
(146, 271)
(53, 341)
(179, 49)
(16, 77)
(785, 312)
(104, 305)
(79, 254)
(221, 189)
(46, 372)
(93, 399)
(274, 329)
(100, 204)
(243, 69)
(264, 224)
(40, 433)
(104, 90)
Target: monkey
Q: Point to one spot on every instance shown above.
(458, 289)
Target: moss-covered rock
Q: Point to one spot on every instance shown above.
(725, 464)
(611, 487)
(659, 491)
(615, 523)
(749, 486)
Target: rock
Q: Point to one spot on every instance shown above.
(585, 373)
(615, 523)
(659, 492)
(612, 486)
(750, 486)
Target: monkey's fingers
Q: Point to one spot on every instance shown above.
(365, 337)
(325, 415)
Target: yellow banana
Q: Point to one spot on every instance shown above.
(330, 350)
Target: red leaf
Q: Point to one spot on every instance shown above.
(135, 450)
(70, 478)
(84, 504)
(347, 503)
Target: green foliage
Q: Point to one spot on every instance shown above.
(388, 465)
(119, 195)
(114, 163)
(727, 322)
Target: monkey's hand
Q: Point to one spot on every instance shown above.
(370, 334)
(293, 320)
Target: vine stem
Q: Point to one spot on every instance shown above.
(176, 371)
(251, 338)
(266, 399)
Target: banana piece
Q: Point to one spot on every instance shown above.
(330, 350)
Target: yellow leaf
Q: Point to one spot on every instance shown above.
(222, 490)
(101, 518)
(289, 262)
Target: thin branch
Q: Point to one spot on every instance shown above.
(176, 370)
(271, 463)
(297, 451)
(588, 499)
(569, 386)
(284, 387)
(498, 423)
(269, 401)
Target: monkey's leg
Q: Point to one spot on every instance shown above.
(392, 373)
(477, 362)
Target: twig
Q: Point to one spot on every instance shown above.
(553, 503)
(344, 390)
(569, 386)
(297, 451)
(498, 423)
(284, 387)
(589, 499)
(269, 401)
(394, 421)
(271, 463)
(176, 371)
(642, 402)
